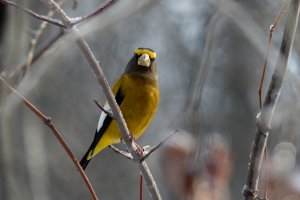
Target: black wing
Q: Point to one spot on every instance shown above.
(98, 135)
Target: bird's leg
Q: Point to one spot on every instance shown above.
(139, 150)
(131, 137)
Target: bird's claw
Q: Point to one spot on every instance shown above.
(138, 150)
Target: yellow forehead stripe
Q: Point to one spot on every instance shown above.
(150, 53)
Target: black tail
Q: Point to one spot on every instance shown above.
(84, 161)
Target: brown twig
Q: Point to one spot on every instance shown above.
(31, 57)
(264, 118)
(54, 130)
(123, 153)
(36, 37)
(93, 14)
(272, 28)
(109, 113)
(98, 72)
(74, 21)
(141, 187)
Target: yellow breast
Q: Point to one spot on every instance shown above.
(141, 97)
(140, 102)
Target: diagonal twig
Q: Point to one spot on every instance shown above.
(123, 153)
(98, 72)
(21, 70)
(74, 21)
(147, 151)
(33, 14)
(272, 28)
(54, 130)
(155, 147)
(78, 20)
(264, 118)
(260, 90)
(103, 109)
(36, 37)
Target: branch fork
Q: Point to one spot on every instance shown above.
(73, 21)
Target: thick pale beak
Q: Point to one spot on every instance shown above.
(144, 60)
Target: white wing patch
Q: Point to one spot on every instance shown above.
(103, 116)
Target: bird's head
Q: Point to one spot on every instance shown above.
(143, 62)
(144, 56)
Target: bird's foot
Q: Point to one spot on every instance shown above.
(132, 138)
(138, 150)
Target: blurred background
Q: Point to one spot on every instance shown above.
(210, 59)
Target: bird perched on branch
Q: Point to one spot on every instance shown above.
(137, 93)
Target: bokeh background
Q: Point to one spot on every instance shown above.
(210, 58)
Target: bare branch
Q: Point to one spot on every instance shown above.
(21, 71)
(74, 21)
(272, 28)
(54, 130)
(103, 109)
(36, 37)
(123, 153)
(33, 14)
(98, 72)
(78, 20)
(264, 118)
(153, 148)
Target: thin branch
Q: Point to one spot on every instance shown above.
(264, 118)
(123, 153)
(54, 130)
(266, 173)
(103, 109)
(36, 37)
(98, 72)
(272, 28)
(21, 71)
(146, 151)
(78, 20)
(155, 147)
(33, 14)
(141, 187)
(74, 21)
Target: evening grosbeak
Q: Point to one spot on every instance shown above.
(137, 93)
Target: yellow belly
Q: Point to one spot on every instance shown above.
(138, 107)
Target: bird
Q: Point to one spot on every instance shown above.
(136, 92)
